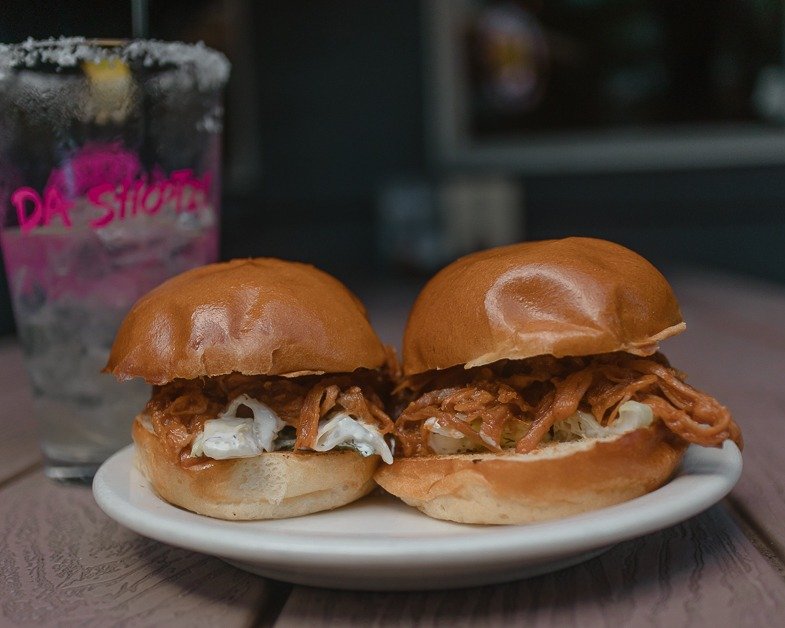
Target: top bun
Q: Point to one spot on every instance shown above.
(570, 297)
(257, 317)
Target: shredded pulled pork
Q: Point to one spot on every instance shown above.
(529, 396)
(179, 409)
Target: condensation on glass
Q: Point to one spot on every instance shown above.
(109, 184)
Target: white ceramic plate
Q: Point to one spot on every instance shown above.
(379, 543)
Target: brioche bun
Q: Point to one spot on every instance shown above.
(570, 297)
(273, 485)
(257, 317)
(554, 481)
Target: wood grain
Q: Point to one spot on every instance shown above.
(63, 562)
(18, 430)
(701, 573)
(388, 308)
(734, 348)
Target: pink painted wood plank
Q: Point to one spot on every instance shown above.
(64, 563)
(388, 307)
(755, 307)
(18, 431)
(734, 348)
(704, 572)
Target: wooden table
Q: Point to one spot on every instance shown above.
(63, 562)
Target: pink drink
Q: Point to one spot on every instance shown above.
(114, 206)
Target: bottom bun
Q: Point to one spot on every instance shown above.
(554, 481)
(269, 486)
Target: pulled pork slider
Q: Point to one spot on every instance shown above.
(267, 382)
(533, 388)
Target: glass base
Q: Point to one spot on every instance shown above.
(74, 461)
(78, 472)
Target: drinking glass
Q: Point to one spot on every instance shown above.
(109, 184)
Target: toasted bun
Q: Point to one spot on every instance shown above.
(270, 486)
(552, 482)
(577, 296)
(257, 317)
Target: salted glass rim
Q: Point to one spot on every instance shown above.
(210, 66)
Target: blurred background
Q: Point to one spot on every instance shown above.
(379, 140)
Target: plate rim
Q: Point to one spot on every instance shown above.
(720, 469)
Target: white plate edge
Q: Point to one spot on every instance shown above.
(562, 537)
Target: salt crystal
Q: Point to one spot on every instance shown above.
(206, 68)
